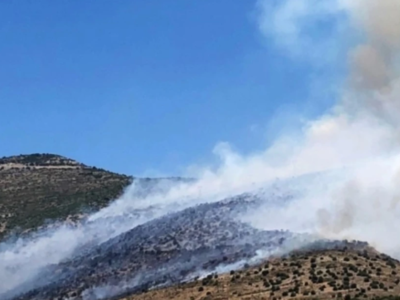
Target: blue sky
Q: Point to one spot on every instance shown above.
(142, 87)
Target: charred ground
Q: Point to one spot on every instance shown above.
(163, 251)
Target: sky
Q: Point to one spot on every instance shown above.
(147, 88)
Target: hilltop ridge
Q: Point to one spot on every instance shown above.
(38, 188)
(39, 159)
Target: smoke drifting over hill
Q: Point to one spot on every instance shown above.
(358, 139)
(361, 131)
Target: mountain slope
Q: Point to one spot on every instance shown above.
(344, 271)
(39, 187)
(163, 251)
(136, 247)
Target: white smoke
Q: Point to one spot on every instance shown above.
(108, 291)
(360, 133)
(359, 137)
(290, 24)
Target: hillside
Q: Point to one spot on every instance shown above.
(154, 250)
(39, 187)
(346, 273)
(164, 250)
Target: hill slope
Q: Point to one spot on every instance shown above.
(162, 251)
(355, 271)
(145, 247)
(38, 187)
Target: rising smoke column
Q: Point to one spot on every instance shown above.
(366, 206)
(374, 62)
(361, 131)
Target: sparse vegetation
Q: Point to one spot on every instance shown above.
(328, 275)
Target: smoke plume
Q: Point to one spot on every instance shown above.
(361, 132)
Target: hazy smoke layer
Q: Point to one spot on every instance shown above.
(359, 138)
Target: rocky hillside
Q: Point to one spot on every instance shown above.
(40, 187)
(354, 271)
